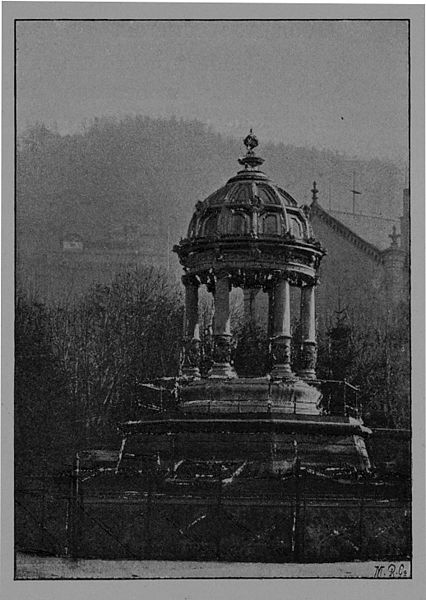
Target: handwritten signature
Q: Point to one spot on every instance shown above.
(391, 570)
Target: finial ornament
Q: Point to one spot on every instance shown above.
(394, 237)
(250, 160)
(314, 191)
(251, 142)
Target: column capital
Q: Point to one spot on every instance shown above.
(292, 277)
(309, 284)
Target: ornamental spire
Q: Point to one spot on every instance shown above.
(314, 191)
(394, 237)
(250, 160)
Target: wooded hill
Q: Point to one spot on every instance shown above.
(151, 172)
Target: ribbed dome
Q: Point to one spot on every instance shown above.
(252, 229)
(249, 204)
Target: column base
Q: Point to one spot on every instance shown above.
(190, 367)
(282, 372)
(222, 368)
(281, 358)
(222, 371)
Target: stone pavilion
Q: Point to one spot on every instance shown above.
(252, 234)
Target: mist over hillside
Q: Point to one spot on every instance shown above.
(150, 173)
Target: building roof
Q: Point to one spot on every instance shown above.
(336, 224)
(374, 229)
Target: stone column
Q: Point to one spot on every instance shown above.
(222, 330)
(281, 336)
(250, 305)
(191, 330)
(309, 343)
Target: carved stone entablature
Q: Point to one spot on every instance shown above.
(255, 250)
(306, 282)
(304, 259)
(246, 275)
(293, 278)
(239, 241)
(314, 242)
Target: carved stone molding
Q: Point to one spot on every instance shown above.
(281, 357)
(222, 349)
(308, 360)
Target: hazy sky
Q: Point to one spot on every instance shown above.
(339, 85)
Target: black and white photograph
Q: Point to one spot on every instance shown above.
(212, 279)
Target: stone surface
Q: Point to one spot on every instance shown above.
(250, 395)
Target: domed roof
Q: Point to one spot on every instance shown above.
(251, 228)
(249, 204)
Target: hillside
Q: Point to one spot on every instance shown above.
(149, 173)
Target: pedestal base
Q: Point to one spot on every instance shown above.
(282, 372)
(265, 442)
(222, 371)
(223, 392)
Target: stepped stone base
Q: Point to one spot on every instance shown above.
(265, 451)
(263, 421)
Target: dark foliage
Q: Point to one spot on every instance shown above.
(43, 411)
(80, 369)
(375, 357)
(252, 351)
